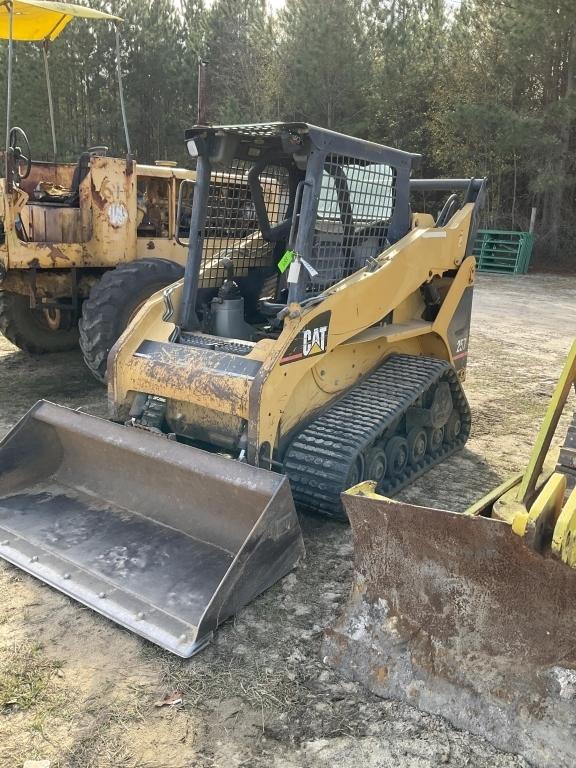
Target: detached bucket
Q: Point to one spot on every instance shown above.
(459, 617)
(162, 538)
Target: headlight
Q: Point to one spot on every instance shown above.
(192, 148)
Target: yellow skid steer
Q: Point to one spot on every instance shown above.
(327, 347)
(472, 616)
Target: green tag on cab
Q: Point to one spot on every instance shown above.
(285, 261)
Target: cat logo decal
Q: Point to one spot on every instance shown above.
(312, 340)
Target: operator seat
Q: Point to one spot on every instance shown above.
(47, 193)
(80, 173)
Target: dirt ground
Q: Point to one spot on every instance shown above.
(79, 691)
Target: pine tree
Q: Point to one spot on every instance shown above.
(484, 87)
(238, 52)
(407, 51)
(323, 64)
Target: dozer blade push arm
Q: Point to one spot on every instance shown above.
(565, 383)
(533, 502)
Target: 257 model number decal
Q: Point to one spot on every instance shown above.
(311, 340)
(461, 344)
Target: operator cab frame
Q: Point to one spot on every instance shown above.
(338, 202)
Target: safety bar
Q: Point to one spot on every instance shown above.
(445, 185)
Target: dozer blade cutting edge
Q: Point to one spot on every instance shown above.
(162, 538)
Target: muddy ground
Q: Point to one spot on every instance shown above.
(79, 691)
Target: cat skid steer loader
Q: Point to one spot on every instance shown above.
(327, 347)
(472, 616)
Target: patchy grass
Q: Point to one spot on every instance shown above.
(259, 695)
(30, 685)
(103, 745)
(27, 680)
(259, 684)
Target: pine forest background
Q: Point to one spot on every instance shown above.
(479, 87)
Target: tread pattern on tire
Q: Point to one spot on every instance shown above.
(100, 322)
(21, 331)
(319, 458)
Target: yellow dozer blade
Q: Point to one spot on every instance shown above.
(472, 616)
(162, 538)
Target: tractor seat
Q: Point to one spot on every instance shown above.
(48, 193)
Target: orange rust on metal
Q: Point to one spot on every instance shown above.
(460, 554)
(469, 622)
(59, 173)
(55, 253)
(102, 231)
(53, 284)
(98, 200)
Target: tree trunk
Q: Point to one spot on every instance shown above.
(554, 203)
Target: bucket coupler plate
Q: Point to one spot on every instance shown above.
(162, 538)
(458, 617)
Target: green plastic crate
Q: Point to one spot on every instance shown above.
(498, 250)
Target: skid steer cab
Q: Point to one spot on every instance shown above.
(325, 347)
(83, 244)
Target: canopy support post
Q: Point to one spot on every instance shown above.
(121, 94)
(202, 111)
(49, 89)
(9, 92)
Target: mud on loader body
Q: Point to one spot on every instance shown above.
(327, 347)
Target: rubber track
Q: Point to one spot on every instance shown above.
(567, 459)
(319, 459)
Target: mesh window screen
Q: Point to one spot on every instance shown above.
(232, 229)
(355, 205)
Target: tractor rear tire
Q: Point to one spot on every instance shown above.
(114, 301)
(30, 329)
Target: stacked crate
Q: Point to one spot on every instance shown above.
(503, 251)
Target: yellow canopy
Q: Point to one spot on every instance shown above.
(39, 20)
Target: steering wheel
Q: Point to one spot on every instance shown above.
(20, 157)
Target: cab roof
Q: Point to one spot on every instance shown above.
(290, 136)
